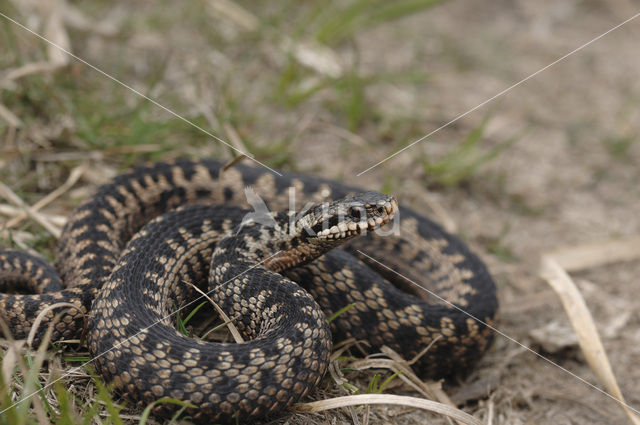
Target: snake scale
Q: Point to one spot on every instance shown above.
(127, 254)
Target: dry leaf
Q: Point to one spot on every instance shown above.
(368, 399)
(585, 328)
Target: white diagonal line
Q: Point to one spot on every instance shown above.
(500, 332)
(577, 49)
(156, 103)
(71, 371)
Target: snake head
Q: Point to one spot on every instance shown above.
(348, 217)
(324, 226)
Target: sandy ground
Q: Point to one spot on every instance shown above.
(562, 170)
(570, 178)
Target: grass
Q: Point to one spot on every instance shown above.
(181, 324)
(373, 387)
(53, 402)
(34, 390)
(339, 24)
(499, 248)
(223, 79)
(463, 161)
(619, 147)
(377, 387)
(343, 310)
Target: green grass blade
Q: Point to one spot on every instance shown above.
(339, 312)
(194, 311)
(387, 381)
(147, 410)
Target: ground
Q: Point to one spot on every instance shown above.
(332, 89)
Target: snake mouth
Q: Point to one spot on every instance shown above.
(358, 219)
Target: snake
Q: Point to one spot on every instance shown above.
(152, 240)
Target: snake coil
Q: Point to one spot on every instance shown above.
(127, 252)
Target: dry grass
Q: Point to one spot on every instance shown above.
(583, 323)
(331, 89)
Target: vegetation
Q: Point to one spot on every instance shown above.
(262, 78)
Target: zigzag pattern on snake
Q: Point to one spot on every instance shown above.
(149, 281)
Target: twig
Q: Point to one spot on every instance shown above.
(11, 211)
(232, 328)
(74, 176)
(9, 116)
(10, 196)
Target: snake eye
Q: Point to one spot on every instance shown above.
(355, 213)
(380, 210)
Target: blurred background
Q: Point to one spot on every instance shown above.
(331, 88)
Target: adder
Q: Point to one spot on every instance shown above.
(127, 253)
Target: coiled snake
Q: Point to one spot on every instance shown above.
(129, 279)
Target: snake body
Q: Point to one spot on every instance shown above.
(128, 278)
